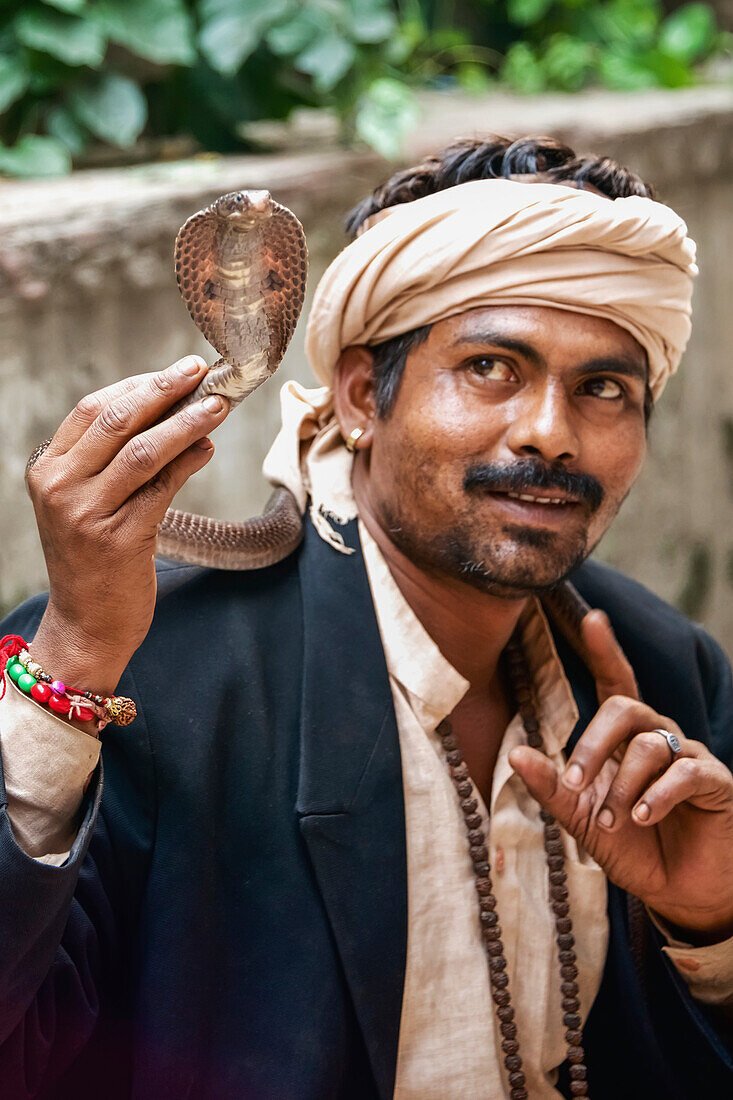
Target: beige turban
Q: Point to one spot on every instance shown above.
(491, 242)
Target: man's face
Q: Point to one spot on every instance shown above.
(498, 405)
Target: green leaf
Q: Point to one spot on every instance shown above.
(73, 41)
(34, 155)
(385, 115)
(625, 72)
(297, 32)
(62, 125)
(159, 30)
(113, 108)
(567, 62)
(14, 79)
(327, 60)
(473, 78)
(370, 21)
(689, 33)
(522, 71)
(232, 30)
(525, 12)
(72, 6)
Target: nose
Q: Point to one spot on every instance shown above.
(543, 426)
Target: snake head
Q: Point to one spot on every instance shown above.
(245, 207)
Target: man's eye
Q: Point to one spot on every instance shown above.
(605, 388)
(490, 367)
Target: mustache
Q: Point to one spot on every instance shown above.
(518, 477)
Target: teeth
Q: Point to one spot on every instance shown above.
(536, 500)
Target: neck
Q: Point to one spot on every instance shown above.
(470, 628)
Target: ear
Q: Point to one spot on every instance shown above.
(353, 393)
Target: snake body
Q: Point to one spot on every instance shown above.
(241, 267)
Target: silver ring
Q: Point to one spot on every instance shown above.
(672, 740)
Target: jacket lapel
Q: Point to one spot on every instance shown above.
(350, 801)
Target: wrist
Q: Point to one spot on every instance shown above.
(71, 655)
(697, 929)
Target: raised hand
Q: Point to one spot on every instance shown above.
(99, 490)
(660, 825)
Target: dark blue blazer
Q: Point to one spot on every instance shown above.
(232, 920)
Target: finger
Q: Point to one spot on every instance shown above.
(689, 779)
(606, 659)
(154, 499)
(647, 757)
(616, 720)
(543, 782)
(89, 407)
(145, 455)
(125, 416)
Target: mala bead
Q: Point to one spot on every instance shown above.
(41, 692)
(26, 682)
(15, 670)
(59, 703)
(491, 934)
(578, 1073)
(58, 687)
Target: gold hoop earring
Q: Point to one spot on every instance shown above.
(354, 436)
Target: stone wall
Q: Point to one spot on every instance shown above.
(87, 295)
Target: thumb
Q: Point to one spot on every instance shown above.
(541, 779)
(606, 659)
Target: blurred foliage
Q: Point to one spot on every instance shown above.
(77, 73)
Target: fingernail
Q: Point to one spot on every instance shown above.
(606, 818)
(642, 812)
(213, 403)
(189, 367)
(573, 776)
(205, 444)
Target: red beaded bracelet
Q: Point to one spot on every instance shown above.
(18, 664)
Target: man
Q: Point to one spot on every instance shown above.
(274, 895)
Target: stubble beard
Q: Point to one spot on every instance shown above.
(518, 562)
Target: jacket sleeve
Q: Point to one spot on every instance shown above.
(65, 929)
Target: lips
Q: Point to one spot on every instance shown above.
(535, 508)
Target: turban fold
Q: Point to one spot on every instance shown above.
(502, 242)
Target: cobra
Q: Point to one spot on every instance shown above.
(241, 265)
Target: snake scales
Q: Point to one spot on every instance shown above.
(241, 266)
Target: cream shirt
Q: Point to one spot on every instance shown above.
(448, 1042)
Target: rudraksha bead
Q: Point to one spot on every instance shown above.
(490, 926)
(578, 1073)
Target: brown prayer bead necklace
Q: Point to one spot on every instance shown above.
(490, 928)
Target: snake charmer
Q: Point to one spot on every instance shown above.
(390, 792)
